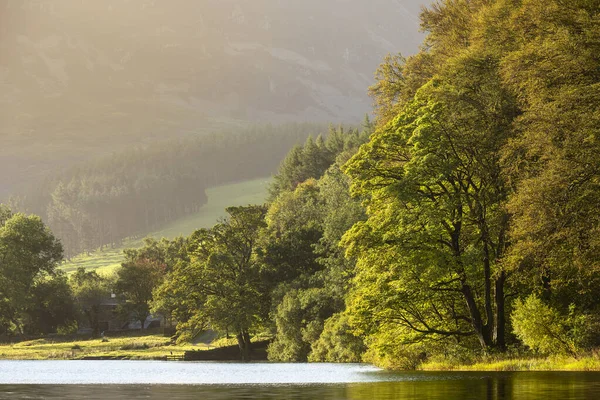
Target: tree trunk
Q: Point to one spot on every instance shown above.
(247, 342)
(92, 314)
(500, 323)
(243, 339)
(18, 325)
(487, 275)
(480, 330)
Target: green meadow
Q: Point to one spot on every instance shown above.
(236, 194)
(129, 346)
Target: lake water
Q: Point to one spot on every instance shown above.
(206, 380)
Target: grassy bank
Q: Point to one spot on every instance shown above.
(149, 345)
(588, 362)
(237, 194)
(127, 346)
(153, 345)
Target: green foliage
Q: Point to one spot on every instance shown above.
(294, 225)
(314, 158)
(164, 252)
(51, 306)
(29, 255)
(555, 160)
(481, 178)
(398, 79)
(289, 173)
(544, 329)
(289, 345)
(142, 273)
(339, 209)
(90, 290)
(540, 327)
(299, 320)
(391, 347)
(220, 286)
(436, 222)
(68, 328)
(229, 273)
(136, 280)
(177, 298)
(337, 343)
(302, 259)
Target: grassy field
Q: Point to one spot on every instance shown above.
(237, 194)
(135, 345)
(145, 346)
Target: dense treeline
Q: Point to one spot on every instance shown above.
(136, 191)
(38, 299)
(275, 267)
(482, 185)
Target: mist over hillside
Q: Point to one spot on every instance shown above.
(82, 78)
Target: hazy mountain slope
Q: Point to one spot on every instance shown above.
(87, 76)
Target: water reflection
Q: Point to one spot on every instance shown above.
(403, 386)
(488, 386)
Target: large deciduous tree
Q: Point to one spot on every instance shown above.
(144, 272)
(431, 251)
(221, 285)
(29, 255)
(136, 280)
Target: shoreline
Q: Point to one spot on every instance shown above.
(154, 346)
(585, 363)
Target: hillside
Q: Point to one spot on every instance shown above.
(242, 193)
(84, 78)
